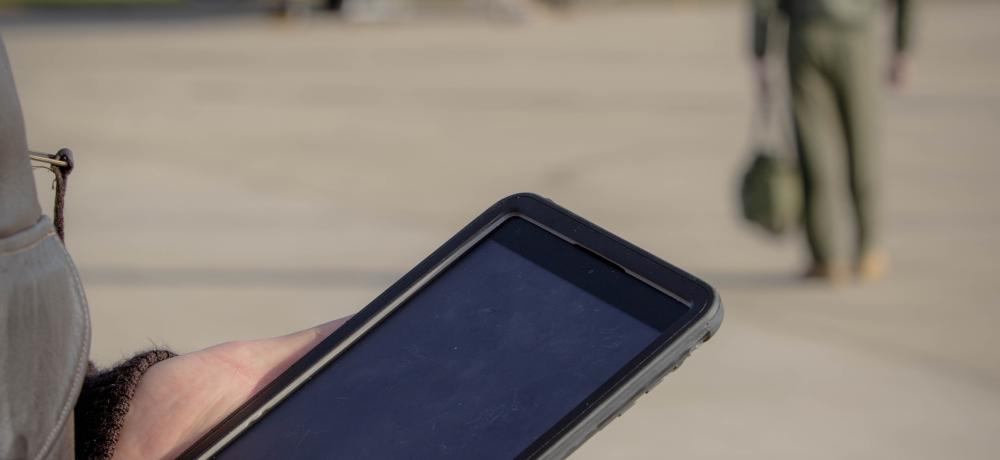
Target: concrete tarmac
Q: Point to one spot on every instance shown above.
(242, 178)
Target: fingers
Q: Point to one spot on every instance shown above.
(303, 341)
(324, 330)
(272, 356)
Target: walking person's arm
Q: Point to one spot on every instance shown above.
(762, 10)
(901, 42)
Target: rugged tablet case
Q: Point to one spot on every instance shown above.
(699, 326)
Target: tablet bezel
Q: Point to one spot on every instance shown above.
(696, 294)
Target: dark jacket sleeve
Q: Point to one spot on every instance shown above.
(761, 12)
(104, 402)
(904, 25)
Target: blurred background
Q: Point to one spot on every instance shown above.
(249, 169)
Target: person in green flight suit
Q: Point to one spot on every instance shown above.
(834, 89)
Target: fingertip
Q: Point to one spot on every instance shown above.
(324, 330)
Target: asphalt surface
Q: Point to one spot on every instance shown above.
(242, 178)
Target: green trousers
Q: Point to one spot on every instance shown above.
(835, 90)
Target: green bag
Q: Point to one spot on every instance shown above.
(771, 188)
(771, 192)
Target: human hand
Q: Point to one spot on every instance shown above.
(897, 70)
(180, 399)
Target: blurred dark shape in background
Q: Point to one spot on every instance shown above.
(353, 10)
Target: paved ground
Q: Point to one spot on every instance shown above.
(240, 178)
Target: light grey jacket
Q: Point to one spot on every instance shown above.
(44, 327)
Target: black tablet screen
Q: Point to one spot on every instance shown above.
(478, 364)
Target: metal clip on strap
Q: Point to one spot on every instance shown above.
(61, 164)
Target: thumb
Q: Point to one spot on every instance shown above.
(271, 357)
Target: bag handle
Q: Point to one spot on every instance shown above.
(769, 125)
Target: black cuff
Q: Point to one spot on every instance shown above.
(104, 402)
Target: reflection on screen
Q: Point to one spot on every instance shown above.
(477, 365)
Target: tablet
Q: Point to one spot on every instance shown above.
(520, 337)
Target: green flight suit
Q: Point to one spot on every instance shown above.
(834, 85)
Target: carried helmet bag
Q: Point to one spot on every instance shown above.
(771, 186)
